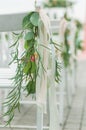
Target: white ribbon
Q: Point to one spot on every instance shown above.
(44, 35)
(44, 81)
(63, 26)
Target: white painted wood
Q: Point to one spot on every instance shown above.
(53, 109)
(55, 27)
(68, 88)
(39, 118)
(5, 75)
(5, 108)
(62, 98)
(24, 127)
(0, 102)
(12, 13)
(11, 22)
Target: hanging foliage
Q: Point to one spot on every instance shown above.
(28, 63)
(78, 40)
(66, 48)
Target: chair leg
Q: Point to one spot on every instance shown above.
(54, 112)
(73, 82)
(73, 78)
(62, 97)
(5, 108)
(39, 118)
(61, 106)
(0, 102)
(68, 89)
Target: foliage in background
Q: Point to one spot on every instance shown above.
(27, 64)
(78, 40)
(66, 49)
(59, 3)
(66, 46)
(67, 17)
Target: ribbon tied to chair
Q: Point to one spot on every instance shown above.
(45, 88)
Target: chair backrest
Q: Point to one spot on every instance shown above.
(5, 75)
(11, 22)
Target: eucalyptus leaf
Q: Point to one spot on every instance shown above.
(26, 21)
(34, 18)
(29, 36)
(26, 45)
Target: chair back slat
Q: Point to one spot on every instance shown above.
(11, 22)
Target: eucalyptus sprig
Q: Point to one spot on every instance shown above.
(27, 68)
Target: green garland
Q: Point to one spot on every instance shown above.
(66, 49)
(59, 3)
(27, 64)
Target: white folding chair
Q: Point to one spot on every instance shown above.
(65, 88)
(15, 23)
(55, 26)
